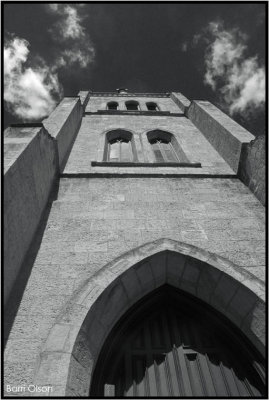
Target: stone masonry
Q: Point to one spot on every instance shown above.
(100, 213)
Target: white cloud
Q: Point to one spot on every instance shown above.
(245, 88)
(76, 46)
(238, 78)
(31, 86)
(69, 25)
(29, 93)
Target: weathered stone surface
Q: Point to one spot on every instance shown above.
(145, 276)
(30, 172)
(252, 167)
(191, 275)
(241, 304)
(182, 102)
(224, 134)
(224, 292)
(63, 124)
(207, 282)
(255, 323)
(101, 226)
(175, 266)
(89, 145)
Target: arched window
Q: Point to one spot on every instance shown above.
(112, 105)
(171, 345)
(119, 147)
(132, 105)
(165, 147)
(152, 106)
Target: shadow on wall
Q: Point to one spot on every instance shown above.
(251, 169)
(105, 298)
(20, 283)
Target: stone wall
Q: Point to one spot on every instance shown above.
(94, 221)
(31, 167)
(63, 124)
(100, 103)
(90, 144)
(182, 102)
(252, 167)
(224, 134)
(103, 213)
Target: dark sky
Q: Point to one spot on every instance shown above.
(146, 47)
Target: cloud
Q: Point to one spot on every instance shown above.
(32, 88)
(238, 78)
(75, 45)
(29, 92)
(69, 25)
(184, 47)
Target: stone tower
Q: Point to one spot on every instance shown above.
(131, 218)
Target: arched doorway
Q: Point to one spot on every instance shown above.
(76, 340)
(170, 344)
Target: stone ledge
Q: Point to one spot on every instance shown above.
(146, 164)
(114, 94)
(135, 113)
(145, 175)
(224, 134)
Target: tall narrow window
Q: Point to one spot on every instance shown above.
(112, 105)
(164, 151)
(152, 106)
(165, 147)
(132, 105)
(119, 146)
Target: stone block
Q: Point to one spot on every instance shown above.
(57, 338)
(132, 285)
(81, 351)
(209, 277)
(97, 333)
(53, 369)
(223, 293)
(254, 326)
(112, 304)
(190, 277)
(241, 304)
(158, 268)
(175, 264)
(145, 276)
(78, 379)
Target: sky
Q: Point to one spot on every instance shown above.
(212, 51)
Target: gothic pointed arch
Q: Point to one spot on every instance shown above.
(171, 345)
(166, 147)
(76, 340)
(119, 146)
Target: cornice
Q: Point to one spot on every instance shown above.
(114, 94)
(135, 112)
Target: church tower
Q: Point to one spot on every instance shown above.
(134, 250)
